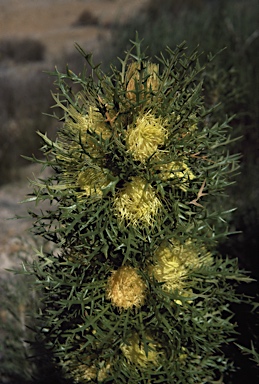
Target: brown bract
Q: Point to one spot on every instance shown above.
(141, 81)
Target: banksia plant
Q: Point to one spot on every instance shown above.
(134, 290)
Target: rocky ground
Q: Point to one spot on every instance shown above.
(15, 238)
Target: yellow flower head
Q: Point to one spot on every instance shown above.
(82, 373)
(174, 261)
(81, 124)
(148, 80)
(137, 203)
(192, 123)
(176, 170)
(125, 288)
(102, 374)
(91, 181)
(135, 353)
(93, 121)
(145, 136)
(97, 124)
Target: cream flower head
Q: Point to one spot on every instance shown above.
(91, 181)
(145, 136)
(135, 353)
(174, 261)
(92, 121)
(82, 373)
(136, 203)
(125, 288)
(81, 124)
(177, 170)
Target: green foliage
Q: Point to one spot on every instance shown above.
(254, 355)
(140, 164)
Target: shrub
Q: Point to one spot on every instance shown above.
(21, 50)
(138, 292)
(85, 19)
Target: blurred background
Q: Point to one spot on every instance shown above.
(36, 36)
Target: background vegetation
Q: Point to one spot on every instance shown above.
(232, 79)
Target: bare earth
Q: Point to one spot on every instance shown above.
(14, 235)
(51, 22)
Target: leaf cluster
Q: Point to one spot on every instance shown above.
(81, 327)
